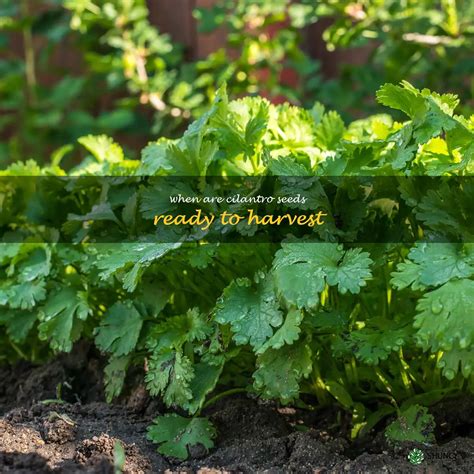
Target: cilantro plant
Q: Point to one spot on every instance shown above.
(379, 330)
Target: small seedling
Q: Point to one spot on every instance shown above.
(119, 457)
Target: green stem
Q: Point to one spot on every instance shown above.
(318, 387)
(29, 50)
(253, 161)
(18, 350)
(227, 393)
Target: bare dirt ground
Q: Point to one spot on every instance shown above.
(78, 435)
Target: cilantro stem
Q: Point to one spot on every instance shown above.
(253, 161)
(227, 393)
(18, 350)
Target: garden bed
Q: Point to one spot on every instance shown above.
(79, 434)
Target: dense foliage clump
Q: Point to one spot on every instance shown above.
(379, 329)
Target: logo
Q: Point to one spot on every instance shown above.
(416, 456)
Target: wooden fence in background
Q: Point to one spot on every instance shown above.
(175, 18)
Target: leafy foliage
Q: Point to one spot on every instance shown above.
(413, 424)
(299, 265)
(120, 330)
(367, 326)
(176, 434)
(252, 314)
(420, 41)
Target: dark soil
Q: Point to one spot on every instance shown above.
(79, 435)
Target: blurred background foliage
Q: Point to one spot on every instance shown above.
(74, 67)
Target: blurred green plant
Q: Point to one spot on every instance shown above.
(118, 41)
(428, 42)
(261, 46)
(46, 104)
(126, 65)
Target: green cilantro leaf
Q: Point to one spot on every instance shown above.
(114, 376)
(434, 264)
(119, 331)
(170, 373)
(252, 313)
(450, 362)
(175, 434)
(103, 148)
(302, 269)
(18, 323)
(37, 265)
(177, 330)
(444, 319)
(62, 318)
(372, 345)
(279, 371)
(403, 97)
(206, 377)
(413, 424)
(27, 295)
(130, 260)
(287, 333)
(330, 131)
